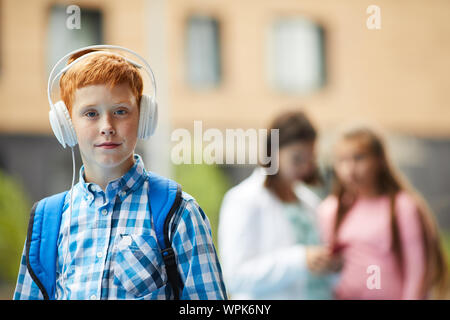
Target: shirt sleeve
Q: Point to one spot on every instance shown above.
(412, 244)
(26, 288)
(246, 268)
(197, 259)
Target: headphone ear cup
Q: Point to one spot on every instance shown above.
(153, 117)
(61, 124)
(148, 117)
(143, 110)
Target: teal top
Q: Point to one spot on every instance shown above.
(306, 232)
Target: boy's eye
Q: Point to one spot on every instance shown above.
(121, 112)
(90, 114)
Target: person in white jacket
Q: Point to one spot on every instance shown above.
(269, 242)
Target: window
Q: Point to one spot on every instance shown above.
(62, 39)
(296, 55)
(203, 52)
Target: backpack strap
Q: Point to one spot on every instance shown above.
(41, 245)
(165, 198)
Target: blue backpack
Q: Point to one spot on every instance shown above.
(43, 230)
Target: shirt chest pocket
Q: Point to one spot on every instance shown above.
(138, 265)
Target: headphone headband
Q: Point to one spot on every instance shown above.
(51, 78)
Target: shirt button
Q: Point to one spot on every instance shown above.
(93, 297)
(99, 254)
(104, 212)
(123, 193)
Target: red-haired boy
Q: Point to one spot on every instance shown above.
(112, 247)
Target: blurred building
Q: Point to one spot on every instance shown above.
(35, 34)
(236, 64)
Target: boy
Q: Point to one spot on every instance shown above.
(113, 250)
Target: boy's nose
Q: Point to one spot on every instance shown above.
(107, 127)
(108, 131)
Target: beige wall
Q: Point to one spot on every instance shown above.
(395, 76)
(23, 75)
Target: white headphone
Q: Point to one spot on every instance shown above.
(60, 120)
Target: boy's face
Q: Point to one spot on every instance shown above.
(106, 123)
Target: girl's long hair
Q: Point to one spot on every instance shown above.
(390, 182)
(293, 126)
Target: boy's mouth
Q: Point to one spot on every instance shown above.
(108, 145)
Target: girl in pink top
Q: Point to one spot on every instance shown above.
(383, 230)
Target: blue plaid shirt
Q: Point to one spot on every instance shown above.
(113, 251)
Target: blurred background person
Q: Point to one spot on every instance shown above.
(268, 237)
(381, 226)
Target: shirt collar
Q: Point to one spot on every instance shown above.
(120, 187)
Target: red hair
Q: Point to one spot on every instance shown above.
(103, 68)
